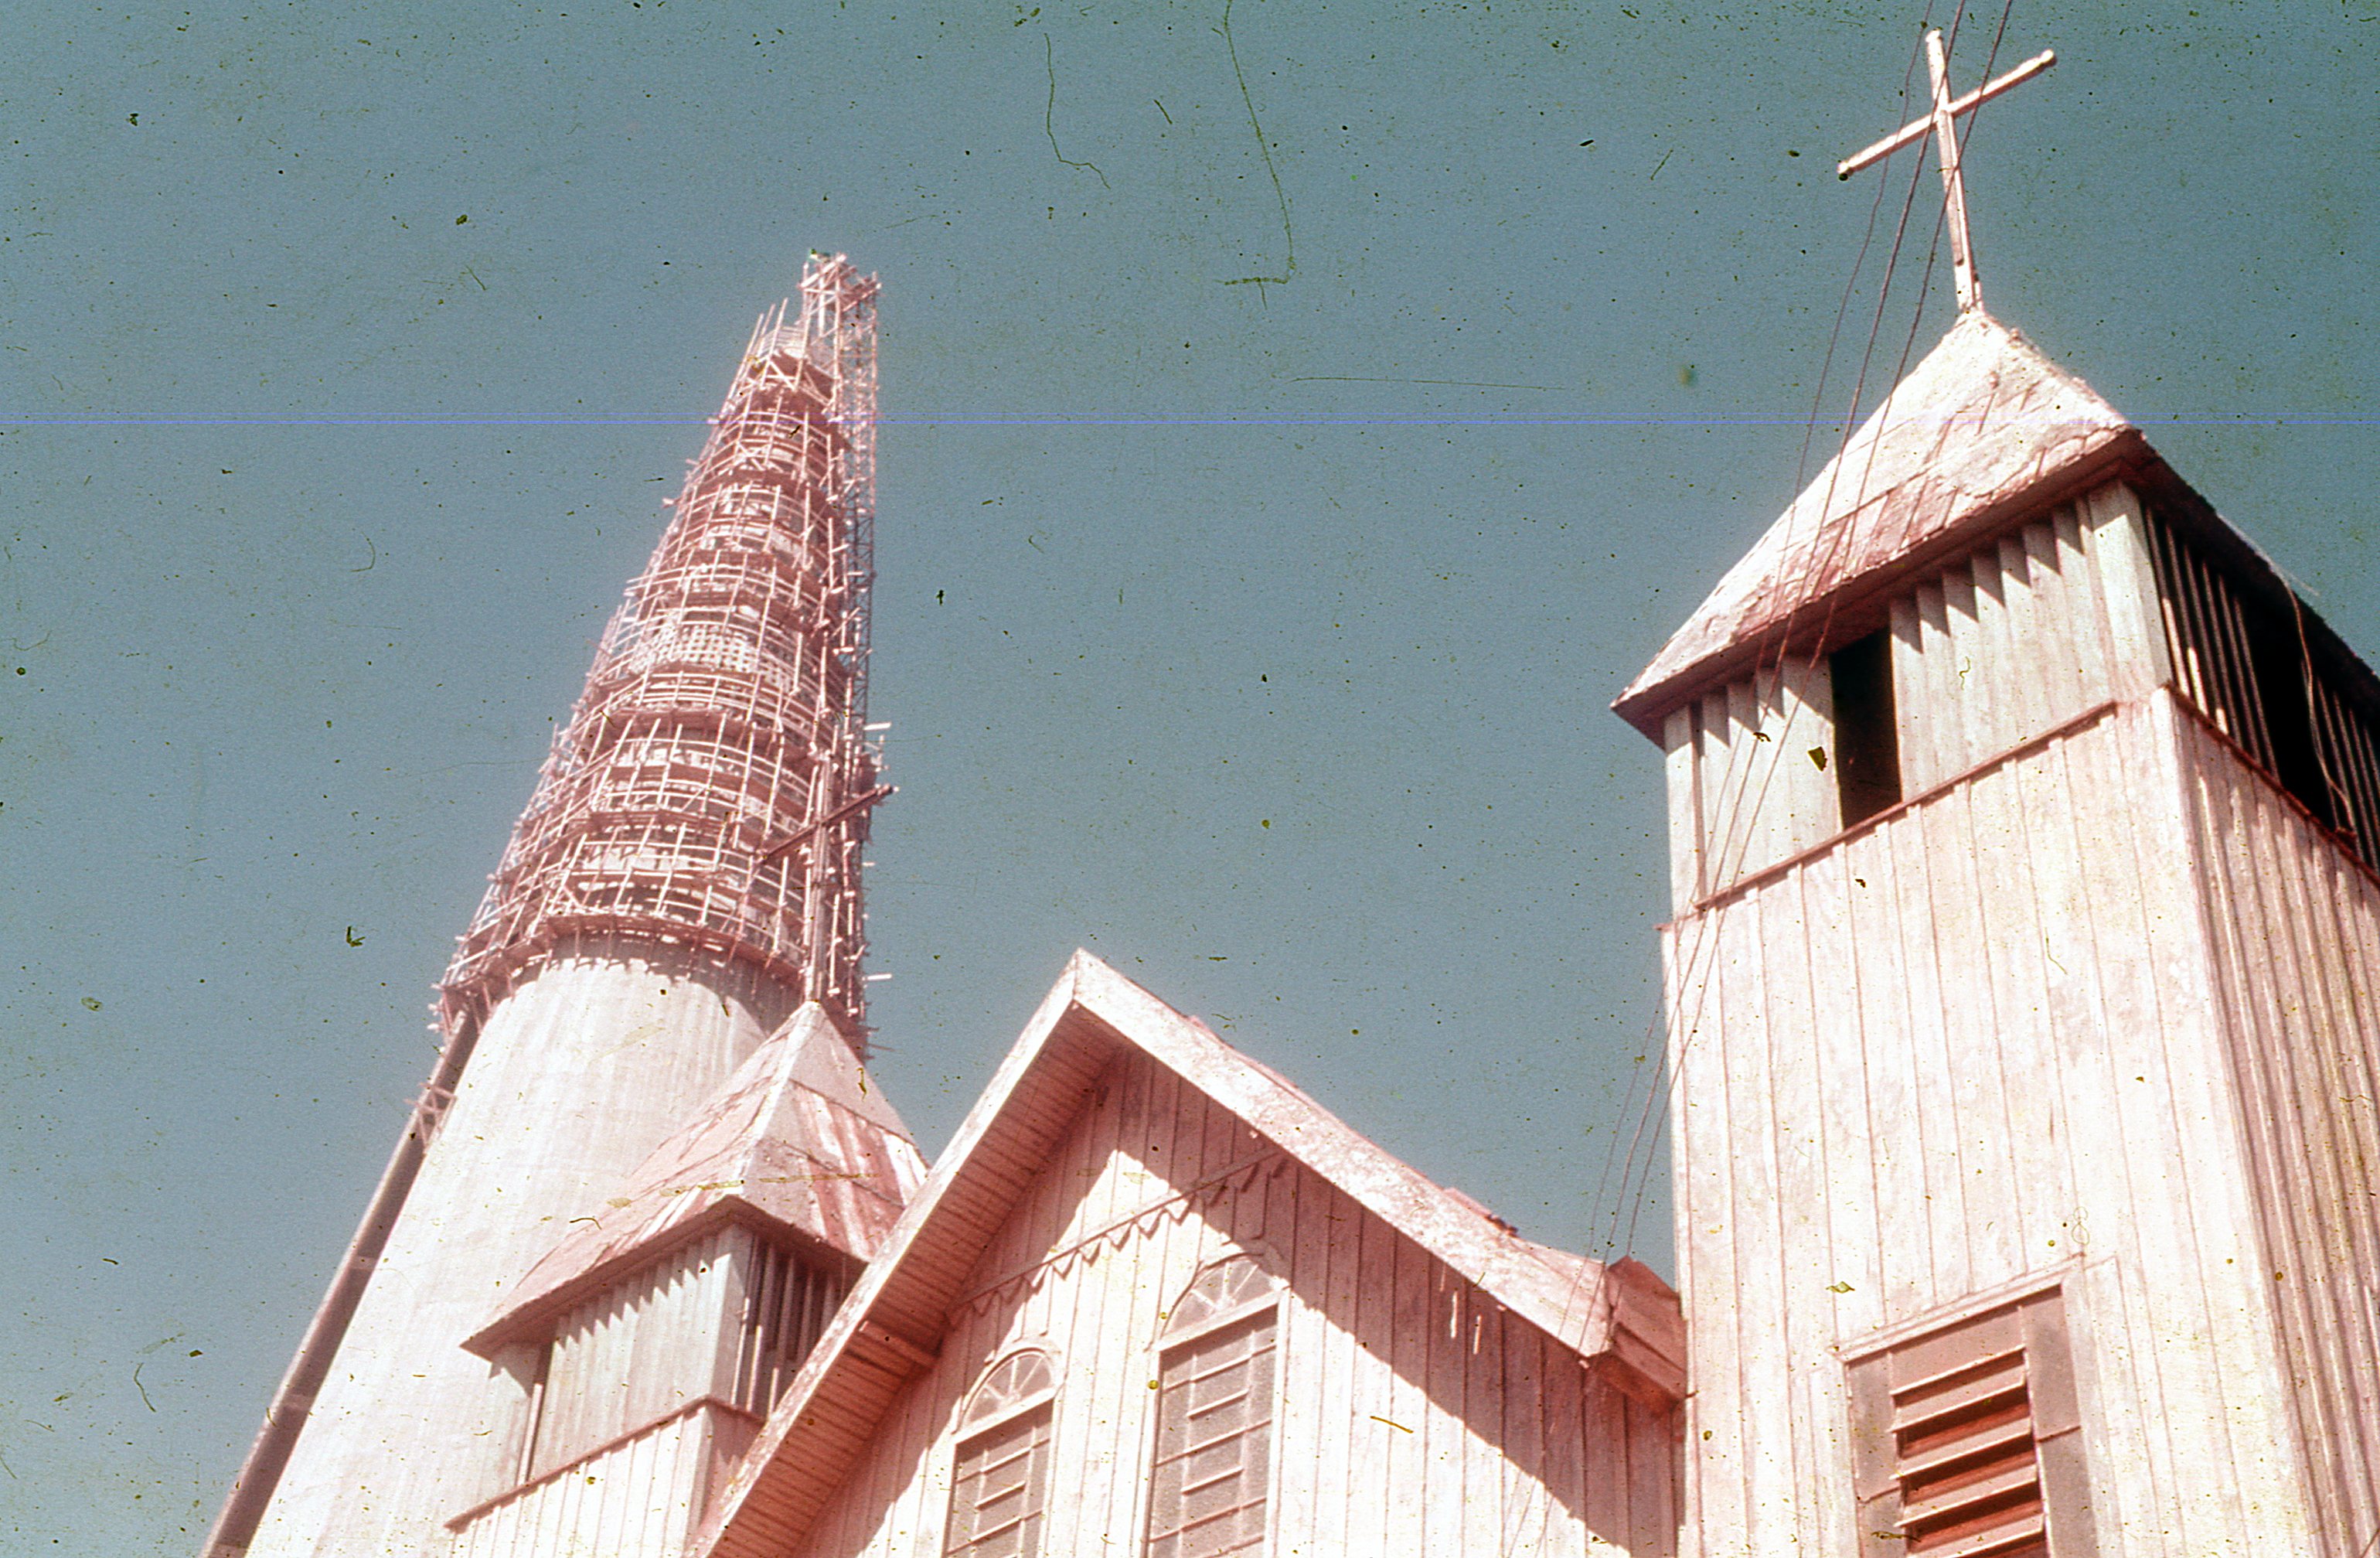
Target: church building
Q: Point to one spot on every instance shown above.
(2023, 994)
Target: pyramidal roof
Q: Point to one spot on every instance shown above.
(1984, 428)
(795, 1143)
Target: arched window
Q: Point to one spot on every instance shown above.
(1213, 1467)
(999, 1484)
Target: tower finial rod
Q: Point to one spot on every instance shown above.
(1942, 121)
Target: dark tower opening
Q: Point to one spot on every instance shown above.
(1867, 744)
(2279, 662)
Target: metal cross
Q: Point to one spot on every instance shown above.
(1943, 122)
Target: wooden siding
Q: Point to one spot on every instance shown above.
(2296, 932)
(1415, 1415)
(718, 1326)
(1983, 428)
(644, 1349)
(1974, 1039)
(2051, 620)
(1749, 780)
(2012, 641)
(577, 1076)
(636, 1498)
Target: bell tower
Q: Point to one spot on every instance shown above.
(2024, 1005)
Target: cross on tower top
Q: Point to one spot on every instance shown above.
(1943, 122)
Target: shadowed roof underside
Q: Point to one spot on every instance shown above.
(1982, 429)
(1622, 1316)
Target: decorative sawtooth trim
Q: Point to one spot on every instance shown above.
(1143, 1222)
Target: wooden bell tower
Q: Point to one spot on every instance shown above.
(2024, 1006)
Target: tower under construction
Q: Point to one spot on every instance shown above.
(648, 1161)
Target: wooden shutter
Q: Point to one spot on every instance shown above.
(1965, 1441)
(999, 1484)
(1214, 1442)
(1001, 1488)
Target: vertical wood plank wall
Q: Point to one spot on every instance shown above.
(639, 1499)
(645, 1348)
(655, 1386)
(2297, 958)
(1745, 793)
(1415, 1417)
(2007, 644)
(2024, 633)
(1974, 1042)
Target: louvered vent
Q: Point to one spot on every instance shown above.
(1000, 1479)
(999, 1489)
(1218, 1360)
(787, 1301)
(1970, 1478)
(1966, 1439)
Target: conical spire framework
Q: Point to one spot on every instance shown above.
(713, 786)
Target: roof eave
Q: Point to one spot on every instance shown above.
(532, 1318)
(2116, 454)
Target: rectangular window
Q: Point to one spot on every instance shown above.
(1966, 1439)
(1001, 1488)
(1867, 743)
(1214, 1442)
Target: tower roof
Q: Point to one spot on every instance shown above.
(795, 1143)
(1983, 427)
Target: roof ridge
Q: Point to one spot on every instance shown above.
(885, 1330)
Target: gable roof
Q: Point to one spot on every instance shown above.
(1984, 430)
(888, 1328)
(795, 1143)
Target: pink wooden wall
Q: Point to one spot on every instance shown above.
(2296, 932)
(1973, 1041)
(1414, 1416)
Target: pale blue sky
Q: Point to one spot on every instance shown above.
(345, 354)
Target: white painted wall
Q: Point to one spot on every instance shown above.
(640, 1499)
(1994, 648)
(2093, 1002)
(1415, 1419)
(576, 1077)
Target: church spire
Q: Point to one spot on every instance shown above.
(684, 879)
(712, 785)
